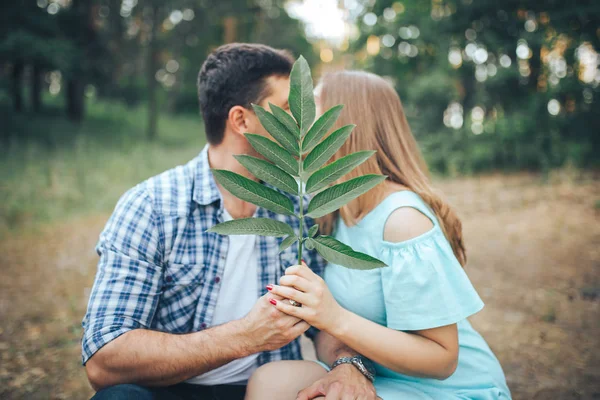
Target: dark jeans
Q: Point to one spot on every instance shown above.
(182, 391)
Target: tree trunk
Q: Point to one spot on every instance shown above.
(17, 82)
(116, 44)
(151, 67)
(75, 98)
(77, 79)
(36, 88)
(229, 29)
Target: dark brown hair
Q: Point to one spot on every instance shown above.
(235, 74)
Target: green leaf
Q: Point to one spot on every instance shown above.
(287, 242)
(309, 245)
(336, 196)
(338, 253)
(320, 128)
(301, 98)
(278, 130)
(286, 119)
(253, 226)
(272, 151)
(326, 149)
(269, 173)
(253, 192)
(332, 172)
(313, 230)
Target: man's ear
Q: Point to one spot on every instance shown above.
(238, 119)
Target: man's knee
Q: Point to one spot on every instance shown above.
(123, 392)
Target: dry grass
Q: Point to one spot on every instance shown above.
(534, 258)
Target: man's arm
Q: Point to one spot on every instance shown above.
(344, 381)
(160, 359)
(153, 358)
(118, 346)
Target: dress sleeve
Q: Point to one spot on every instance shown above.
(424, 285)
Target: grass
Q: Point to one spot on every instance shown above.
(526, 237)
(52, 168)
(533, 258)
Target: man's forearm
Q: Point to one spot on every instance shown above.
(160, 359)
(330, 348)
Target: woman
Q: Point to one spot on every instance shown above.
(409, 318)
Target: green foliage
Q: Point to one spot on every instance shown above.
(332, 172)
(320, 128)
(274, 153)
(287, 242)
(332, 249)
(269, 173)
(253, 226)
(326, 149)
(302, 99)
(336, 196)
(503, 121)
(278, 130)
(253, 192)
(290, 173)
(53, 170)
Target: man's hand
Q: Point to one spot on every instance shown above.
(267, 328)
(341, 383)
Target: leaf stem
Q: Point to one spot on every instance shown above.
(301, 215)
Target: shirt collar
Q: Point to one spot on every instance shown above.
(205, 187)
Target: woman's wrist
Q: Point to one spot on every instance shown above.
(340, 326)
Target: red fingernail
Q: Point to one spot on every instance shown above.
(303, 262)
(273, 301)
(269, 287)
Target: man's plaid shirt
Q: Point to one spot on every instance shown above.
(159, 269)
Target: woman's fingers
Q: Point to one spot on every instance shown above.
(288, 309)
(301, 270)
(300, 328)
(289, 293)
(296, 281)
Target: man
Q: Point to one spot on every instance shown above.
(176, 312)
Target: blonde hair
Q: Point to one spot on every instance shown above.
(374, 106)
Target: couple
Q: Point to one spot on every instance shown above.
(179, 313)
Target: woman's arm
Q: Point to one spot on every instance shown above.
(429, 353)
(426, 353)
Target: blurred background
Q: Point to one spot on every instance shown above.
(503, 97)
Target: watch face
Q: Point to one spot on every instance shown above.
(367, 364)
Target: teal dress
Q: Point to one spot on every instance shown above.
(423, 287)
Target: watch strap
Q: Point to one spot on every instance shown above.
(358, 363)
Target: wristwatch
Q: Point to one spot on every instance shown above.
(363, 364)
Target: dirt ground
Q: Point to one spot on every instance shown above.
(534, 257)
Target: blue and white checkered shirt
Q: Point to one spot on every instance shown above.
(159, 269)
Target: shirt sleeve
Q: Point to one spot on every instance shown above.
(129, 277)
(424, 286)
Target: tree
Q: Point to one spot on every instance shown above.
(489, 86)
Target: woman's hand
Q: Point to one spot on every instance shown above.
(300, 284)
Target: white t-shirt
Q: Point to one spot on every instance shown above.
(237, 296)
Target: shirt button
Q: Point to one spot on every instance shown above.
(203, 325)
(169, 279)
(217, 279)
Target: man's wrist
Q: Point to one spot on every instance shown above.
(362, 364)
(350, 369)
(243, 343)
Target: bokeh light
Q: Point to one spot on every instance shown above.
(326, 55)
(553, 107)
